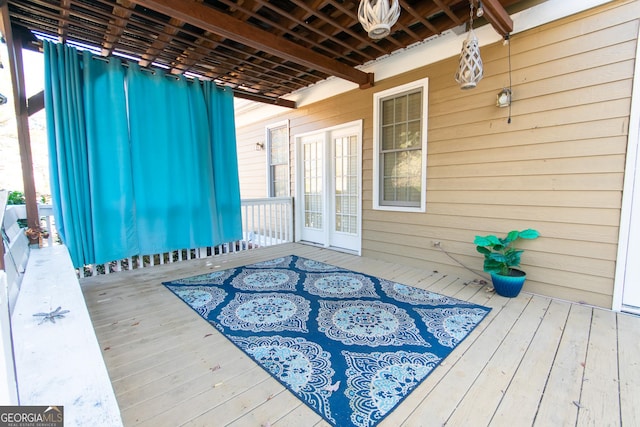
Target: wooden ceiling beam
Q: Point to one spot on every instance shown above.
(497, 16)
(35, 103)
(281, 102)
(209, 19)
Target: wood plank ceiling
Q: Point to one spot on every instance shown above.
(264, 49)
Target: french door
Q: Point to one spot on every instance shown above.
(329, 200)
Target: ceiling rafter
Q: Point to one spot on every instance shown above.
(263, 49)
(406, 6)
(121, 13)
(64, 13)
(160, 42)
(295, 21)
(284, 70)
(286, 29)
(353, 16)
(211, 20)
(97, 13)
(446, 9)
(341, 28)
(172, 29)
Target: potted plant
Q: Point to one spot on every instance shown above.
(501, 258)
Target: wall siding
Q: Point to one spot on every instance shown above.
(557, 167)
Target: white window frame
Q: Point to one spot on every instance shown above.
(267, 138)
(377, 183)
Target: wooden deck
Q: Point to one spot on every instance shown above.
(532, 361)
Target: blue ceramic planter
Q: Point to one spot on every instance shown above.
(509, 286)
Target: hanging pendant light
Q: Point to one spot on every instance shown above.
(378, 16)
(470, 70)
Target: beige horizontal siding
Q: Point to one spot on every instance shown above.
(557, 167)
(596, 129)
(252, 163)
(573, 182)
(574, 199)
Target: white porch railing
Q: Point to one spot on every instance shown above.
(46, 219)
(265, 222)
(59, 363)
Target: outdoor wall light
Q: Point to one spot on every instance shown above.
(378, 16)
(503, 99)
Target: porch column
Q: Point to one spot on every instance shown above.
(14, 47)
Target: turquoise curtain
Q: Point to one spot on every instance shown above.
(228, 223)
(111, 189)
(170, 136)
(87, 135)
(149, 169)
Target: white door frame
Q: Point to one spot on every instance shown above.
(328, 180)
(627, 270)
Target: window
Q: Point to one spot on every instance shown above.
(400, 147)
(278, 159)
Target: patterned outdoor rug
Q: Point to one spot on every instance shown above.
(350, 345)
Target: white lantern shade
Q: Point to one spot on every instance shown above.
(378, 16)
(470, 70)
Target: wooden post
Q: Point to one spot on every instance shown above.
(14, 47)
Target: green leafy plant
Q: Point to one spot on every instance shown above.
(500, 256)
(16, 198)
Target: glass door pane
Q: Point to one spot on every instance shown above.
(346, 188)
(313, 194)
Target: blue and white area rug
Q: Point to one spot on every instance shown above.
(350, 345)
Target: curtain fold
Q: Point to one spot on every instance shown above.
(64, 112)
(141, 163)
(228, 213)
(87, 134)
(111, 189)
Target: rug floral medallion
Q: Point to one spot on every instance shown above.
(350, 345)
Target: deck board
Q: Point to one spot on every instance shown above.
(561, 398)
(532, 361)
(517, 406)
(628, 350)
(599, 401)
(485, 395)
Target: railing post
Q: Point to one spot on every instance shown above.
(290, 217)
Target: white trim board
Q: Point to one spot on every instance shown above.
(630, 189)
